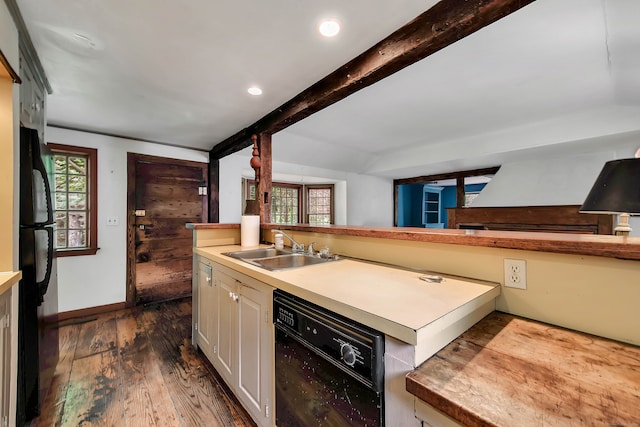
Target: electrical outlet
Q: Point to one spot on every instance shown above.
(113, 220)
(515, 273)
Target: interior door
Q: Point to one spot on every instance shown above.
(164, 195)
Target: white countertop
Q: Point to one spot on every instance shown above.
(392, 300)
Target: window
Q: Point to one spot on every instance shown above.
(285, 203)
(320, 205)
(296, 203)
(469, 197)
(75, 200)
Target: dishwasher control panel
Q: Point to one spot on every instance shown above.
(351, 345)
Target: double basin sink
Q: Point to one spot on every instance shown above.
(277, 259)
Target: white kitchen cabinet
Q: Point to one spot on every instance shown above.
(205, 301)
(255, 350)
(226, 313)
(431, 417)
(32, 98)
(242, 338)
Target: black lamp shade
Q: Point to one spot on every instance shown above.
(617, 189)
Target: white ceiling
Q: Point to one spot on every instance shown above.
(177, 72)
(554, 73)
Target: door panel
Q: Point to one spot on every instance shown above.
(204, 309)
(226, 312)
(164, 192)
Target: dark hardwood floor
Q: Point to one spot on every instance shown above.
(136, 367)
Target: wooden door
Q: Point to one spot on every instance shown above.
(163, 196)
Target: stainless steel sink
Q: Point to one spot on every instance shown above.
(276, 259)
(283, 262)
(257, 253)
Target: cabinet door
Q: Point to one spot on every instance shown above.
(226, 321)
(26, 94)
(205, 306)
(38, 110)
(255, 351)
(32, 99)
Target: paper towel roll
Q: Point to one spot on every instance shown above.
(250, 230)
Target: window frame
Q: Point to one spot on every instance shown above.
(329, 187)
(297, 187)
(303, 197)
(92, 198)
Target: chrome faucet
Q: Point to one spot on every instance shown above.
(295, 246)
(310, 248)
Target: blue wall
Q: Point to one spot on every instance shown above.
(410, 203)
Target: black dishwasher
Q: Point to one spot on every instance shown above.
(329, 370)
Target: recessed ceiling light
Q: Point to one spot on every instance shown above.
(329, 28)
(254, 90)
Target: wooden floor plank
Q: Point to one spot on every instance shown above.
(51, 412)
(97, 336)
(197, 396)
(93, 397)
(136, 367)
(146, 400)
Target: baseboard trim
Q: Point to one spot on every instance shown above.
(84, 312)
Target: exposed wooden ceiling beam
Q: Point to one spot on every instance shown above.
(442, 25)
(443, 176)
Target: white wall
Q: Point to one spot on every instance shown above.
(236, 166)
(370, 201)
(230, 191)
(559, 180)
(8, 37)
(94, 280)
(541, 182)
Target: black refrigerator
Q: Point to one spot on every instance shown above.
(38, 293)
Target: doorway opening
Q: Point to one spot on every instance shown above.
(423, 201)
(163, 196)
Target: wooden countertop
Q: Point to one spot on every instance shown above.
(510, 371)
(8, 279)
(392, 300)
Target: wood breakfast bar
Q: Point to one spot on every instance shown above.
(508, 371)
